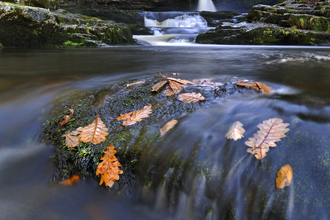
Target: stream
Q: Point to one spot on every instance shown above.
(223, 182)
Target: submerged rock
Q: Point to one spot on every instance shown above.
(31, 27)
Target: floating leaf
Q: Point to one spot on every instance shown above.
(207, 82)
(70, 181)
(191, 97)
(72, 140)
(284, 177)
(94, 133)
(255, 86)
(236, 131)
(109, 167)
(168, 126)
(124, 116)
(271, 131)
(138, 115)
(66, 118)
(134, 83)
(157, 86)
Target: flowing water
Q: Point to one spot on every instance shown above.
(206, 5)
(222, 180)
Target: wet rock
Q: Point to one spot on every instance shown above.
(31, 27)
(131, 142)
(214, 18)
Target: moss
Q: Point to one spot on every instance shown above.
(71, 44)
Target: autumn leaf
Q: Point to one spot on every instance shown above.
(138, 115)
(124, 116)
(271, 131)
(94, 133)
(70, 181)
(168, 126)
(191, 97)
(66, 118)
(236, 131)
(168, 92)
(134, 83)
(72, 140)
(157, 86)
(207, 82)
(255, 86)
(284, 177)
(109, 167)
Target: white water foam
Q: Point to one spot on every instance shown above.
(206, 5)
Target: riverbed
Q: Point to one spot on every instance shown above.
(30, 81)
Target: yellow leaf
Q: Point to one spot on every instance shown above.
(284, 177)
(168, 126)
(94, 133)
(191, 97)
(236, 131)
(138, 115)
(109, 167)
(134, 83)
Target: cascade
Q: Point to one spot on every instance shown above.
(206, 5)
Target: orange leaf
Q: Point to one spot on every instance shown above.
(263, 88)
(69, 182)
(157, 86)
(134, 83)
(124, 116)
(109, 167)
(168, 126)
(255, 86)
(94, 133)
(138, 115)
(66, 118)
(191, 97)
(284, 177)
(176, 85)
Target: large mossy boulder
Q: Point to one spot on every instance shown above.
(131, 142)
(31, 27)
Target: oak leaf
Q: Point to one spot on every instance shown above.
(134, 83)
(70, 181)
(66, 118)
(271, 131)
(168, 126)
(138, 115)
(191, 97)
(72, 140)
(236, 131)
(284, 177)
(94, 132)
(124, 116)
(109, 167)
(255, 86)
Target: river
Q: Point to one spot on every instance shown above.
(30, 81)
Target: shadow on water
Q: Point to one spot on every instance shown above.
(198, 173)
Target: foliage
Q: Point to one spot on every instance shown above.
(191, 97)
(236, 131)
(168, 126)
(284, 177)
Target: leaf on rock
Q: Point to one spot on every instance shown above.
(168, 126)
(207, 82)
(109, 167)
(255, 86)
(134, 83)
(271, 131)
(236, 131)
(157, 86)
(94, 133)
(72, 140)
(70, 181)
(191, 97)
(138, 115)
(284, 177)
(124, 116)
(168, 92)
(66, 118)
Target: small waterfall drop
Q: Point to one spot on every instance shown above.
(206, 5)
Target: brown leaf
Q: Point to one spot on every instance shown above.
(70, 181)
(168, 92)
(109, 167)
(176, 86)
(134, 83)
(95, 132)
(124, 116)
(182, 81)
(71, 139)
(236, 131)
(255, 86)
(138, 115)
(207, 82)
(191, 97)
(66, 118)
(284, 177)
(157, 86)
(271, 131)
(168, 126)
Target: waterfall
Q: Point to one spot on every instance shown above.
(206, 5)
